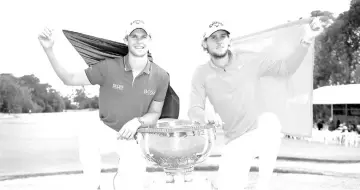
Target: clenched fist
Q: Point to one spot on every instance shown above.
(46, 38)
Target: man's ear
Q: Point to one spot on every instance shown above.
(126, 39)
(204, 44)
(149, 43)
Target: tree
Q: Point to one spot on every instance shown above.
(38, 91)
(68, 104)
(46, 98)
(337, 50)
(27, 104)
(13, 97)
(27, 94)
(353, 2)
(90, 103)
(95, 102)
(80, 96)
(55, 101)
(84, 101)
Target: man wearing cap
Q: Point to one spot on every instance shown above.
(132, 92)
(230, 80)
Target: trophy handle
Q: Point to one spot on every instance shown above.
(140, 137)
(204, 151)
(146, 145)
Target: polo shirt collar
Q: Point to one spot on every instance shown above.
(128, 67)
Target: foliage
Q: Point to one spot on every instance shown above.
(27, 95)
(337, 53)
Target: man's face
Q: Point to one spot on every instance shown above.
(138, 42)
(217, 44)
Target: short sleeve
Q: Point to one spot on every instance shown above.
(162, 88)
(97, 73)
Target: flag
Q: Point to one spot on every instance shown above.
(290, 98)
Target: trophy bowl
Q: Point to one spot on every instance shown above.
(176, 145)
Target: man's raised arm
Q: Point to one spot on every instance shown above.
(76, 78)
(288, 66)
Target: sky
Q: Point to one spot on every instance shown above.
(177, 28)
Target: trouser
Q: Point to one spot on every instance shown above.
(99, 139)
(237, 156)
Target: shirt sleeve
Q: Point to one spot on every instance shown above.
(197, 91)
(272, 67)
(284, 67)
(162, 88)
(285, 55)
(197, 101)
(97, 73)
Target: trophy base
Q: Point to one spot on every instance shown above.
(179, 182)
(184, 174)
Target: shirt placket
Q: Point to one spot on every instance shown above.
(136, 78)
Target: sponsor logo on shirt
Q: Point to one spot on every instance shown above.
(118, 87)
(149, 92)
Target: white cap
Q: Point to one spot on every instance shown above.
(137, 24)
(213, 27)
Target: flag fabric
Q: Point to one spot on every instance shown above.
(290, 98)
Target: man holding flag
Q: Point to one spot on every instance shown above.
(231, 82)
(132, 93)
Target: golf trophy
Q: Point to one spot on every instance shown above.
(177, 146)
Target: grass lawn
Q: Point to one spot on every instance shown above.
(37, 143)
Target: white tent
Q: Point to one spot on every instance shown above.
(341, 94)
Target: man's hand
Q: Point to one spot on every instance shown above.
(129, 129)
(316, 27)
(211, 118)
(46, 38)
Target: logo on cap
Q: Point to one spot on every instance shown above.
(135, 25)
(137, 22)
(213, 27)
(216, 24)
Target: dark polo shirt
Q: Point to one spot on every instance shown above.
(121, 98)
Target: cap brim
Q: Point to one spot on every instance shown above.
(212, 32)
(132, 30)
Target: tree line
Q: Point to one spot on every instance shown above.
(27, 95)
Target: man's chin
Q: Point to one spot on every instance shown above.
(139, 53)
